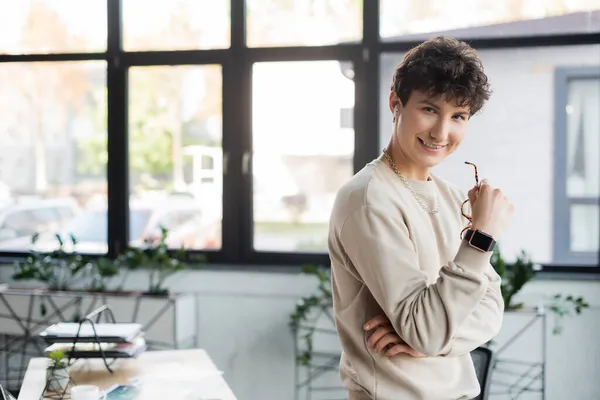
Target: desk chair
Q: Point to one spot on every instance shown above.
(482, 359)
(5, 394)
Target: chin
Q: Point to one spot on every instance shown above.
(431, 164)
(432, 160)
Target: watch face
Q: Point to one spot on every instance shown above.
(481, 241)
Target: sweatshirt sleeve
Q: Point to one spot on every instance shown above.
(426, 317)
(484, 323)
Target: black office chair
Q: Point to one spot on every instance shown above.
(483, 361)
(5, 394)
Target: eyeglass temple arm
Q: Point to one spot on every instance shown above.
(476, 172)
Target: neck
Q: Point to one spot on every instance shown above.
(404, 164)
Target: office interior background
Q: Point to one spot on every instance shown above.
(233, 123)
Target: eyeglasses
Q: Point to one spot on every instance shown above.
(462, 206)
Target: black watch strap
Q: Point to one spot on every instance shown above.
(480, 240)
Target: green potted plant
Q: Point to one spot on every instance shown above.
(103, 268)
(518, 274)
(156, 257)
(59, 270)
(156, 305)
(76, 283)
(57, 372)
(514, 277)
(302, 320)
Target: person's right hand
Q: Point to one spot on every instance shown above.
(383, 338)
(491, 210)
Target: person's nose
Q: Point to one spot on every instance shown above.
(439, 132)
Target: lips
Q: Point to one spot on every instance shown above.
(431, 146)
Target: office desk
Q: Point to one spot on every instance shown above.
(170, 374)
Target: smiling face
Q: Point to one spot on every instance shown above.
(426, 131)
(435, 89)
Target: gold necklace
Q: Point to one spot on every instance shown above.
(410, 188)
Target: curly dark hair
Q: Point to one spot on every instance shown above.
(443, 66)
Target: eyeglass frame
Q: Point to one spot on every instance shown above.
(462, 206)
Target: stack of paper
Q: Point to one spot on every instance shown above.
(116, 340)
(103, 332)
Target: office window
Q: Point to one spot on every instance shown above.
(417, 20)
(512, 141)
(577, 193)
(52, 26)
(51, 111)
(303, 151)
(175, 25)
(175, 154)
(303, 23)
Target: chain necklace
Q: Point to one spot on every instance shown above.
(410, 188)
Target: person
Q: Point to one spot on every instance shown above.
(412, 295)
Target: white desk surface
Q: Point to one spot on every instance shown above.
(169, 374)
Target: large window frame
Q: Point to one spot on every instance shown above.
(236, 63)
(563, 202)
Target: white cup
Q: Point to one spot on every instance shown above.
(87, 392)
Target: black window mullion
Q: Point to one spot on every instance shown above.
(118, 164)
(402, 45)
(237, 190)
(283, 54)
(238, 24)
(51, 57)
(366, 104)
(166, 57)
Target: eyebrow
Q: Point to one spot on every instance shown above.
(429, 103)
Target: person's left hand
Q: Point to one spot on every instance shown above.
(385, 339)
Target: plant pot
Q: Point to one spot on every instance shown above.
(57, 379)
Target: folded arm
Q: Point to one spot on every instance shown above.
(427, 317)
(483, 324)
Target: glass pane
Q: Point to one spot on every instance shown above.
(417, 20)
(53, 132)
(583, 138)
(303, 23)
(52, 26)
(516, 124)
(175, 25)
(175, 156)
(585, 227)
(294, 142)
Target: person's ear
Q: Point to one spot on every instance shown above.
(395, 106)
(396, 112)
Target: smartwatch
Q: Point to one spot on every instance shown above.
(479, 240)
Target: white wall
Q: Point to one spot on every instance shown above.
(244, 327)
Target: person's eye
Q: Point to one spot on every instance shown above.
(460, 117)
(429, 109)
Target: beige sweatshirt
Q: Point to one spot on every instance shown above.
(388, 255)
